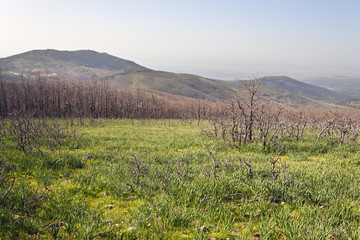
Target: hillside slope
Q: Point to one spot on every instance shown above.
(177, 84)
(87, 65)
(290, 85)
(202, 88)
(76, 65)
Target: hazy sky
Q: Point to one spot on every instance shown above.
(216, 38)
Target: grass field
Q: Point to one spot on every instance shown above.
(133, 179)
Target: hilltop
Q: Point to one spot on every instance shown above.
(75, 65)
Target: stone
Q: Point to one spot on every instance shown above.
(109, 206)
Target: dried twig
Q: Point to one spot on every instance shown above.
(216, 167)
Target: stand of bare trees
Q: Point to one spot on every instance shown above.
(250, 120)
(61, 98)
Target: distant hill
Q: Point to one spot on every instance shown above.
(188, 85)
(349, 86)
(76, 65)
(86, 65)
(303, 89)
(290, 85)
(202, 88)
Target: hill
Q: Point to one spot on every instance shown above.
(202, 88)
(340, 84)
(290, 85)
(188, 85)
(75, 65)
(86, 65)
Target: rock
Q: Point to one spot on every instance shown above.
(204, 229)
(109, 206)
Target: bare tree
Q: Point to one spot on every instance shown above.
(249, 106)
(25, 130)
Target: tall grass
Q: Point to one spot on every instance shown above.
(131, 179)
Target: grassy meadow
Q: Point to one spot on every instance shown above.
(165, 179)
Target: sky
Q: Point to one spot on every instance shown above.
(225, 39)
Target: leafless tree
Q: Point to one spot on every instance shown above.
(249, 107)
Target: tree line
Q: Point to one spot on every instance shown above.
(60, 98)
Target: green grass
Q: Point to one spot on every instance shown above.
(98, 192)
